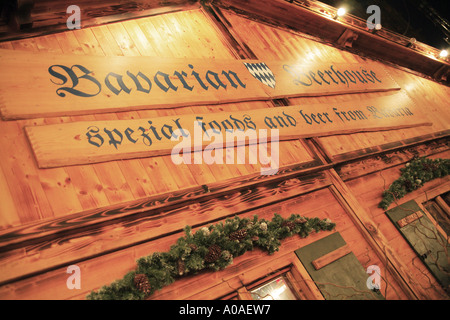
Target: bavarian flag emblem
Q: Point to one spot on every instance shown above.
(261, 72)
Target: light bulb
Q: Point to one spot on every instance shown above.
(341, 12)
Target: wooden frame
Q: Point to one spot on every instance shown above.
(237, 285)
(421, 199)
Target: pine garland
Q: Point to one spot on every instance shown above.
(209, 248)
(413, 176)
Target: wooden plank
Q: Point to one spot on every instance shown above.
(109, 40)
(123, 258)
(409, 219)
(100, 141)
(72, 85)
(330, 257)
(8, 210)
(314, 20)
(56, 183)
(309, 287)
(381, 158)
(420, 90)
(230, 191)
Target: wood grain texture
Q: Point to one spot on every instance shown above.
(366, 189)
(74, 85)
(287, 44)
(330, 257)
(316, 21)
(379, 160)
(93, 185)
(102, 141)
(409, 219)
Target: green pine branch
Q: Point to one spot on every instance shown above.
(413, 176)
(209, 248)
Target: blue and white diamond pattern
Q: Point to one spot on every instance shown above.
(261, 72)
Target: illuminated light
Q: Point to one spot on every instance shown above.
(409, 86)
(310, 56)
(340, 13)
(376, 28)
(412, 43)
(443, 54)
(277, 292)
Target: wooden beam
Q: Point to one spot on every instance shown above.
(224, 28)
(48, 21)
(315, 19)
(347, 38)
(244, 294)
(330, 257)
(138, 222)
(366, 161)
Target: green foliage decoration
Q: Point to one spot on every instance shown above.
(209, 248)
(413, 176)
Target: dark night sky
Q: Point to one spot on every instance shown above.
(403, 17)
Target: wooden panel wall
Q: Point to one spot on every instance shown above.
(48, 193)
(51, 218)
(367, 189)
(267, 42)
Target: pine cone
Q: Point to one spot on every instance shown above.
(181, 267)
(142, 284)
(193, 247)
(289, 224)
(238, 235)
(408, 184)
(213, 253)
(301, 221)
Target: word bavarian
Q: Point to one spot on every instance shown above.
(118, 83)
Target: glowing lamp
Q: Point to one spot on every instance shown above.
(340, 13)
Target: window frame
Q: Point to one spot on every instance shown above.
(299, 280)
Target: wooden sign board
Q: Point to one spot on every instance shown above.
(42, 85)
(97, 141)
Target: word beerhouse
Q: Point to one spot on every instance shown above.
(330, 76)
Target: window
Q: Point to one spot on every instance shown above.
(276, 289)
(414, 220)
(286, 283)
(439, 209)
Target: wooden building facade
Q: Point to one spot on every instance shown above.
(102, 217)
